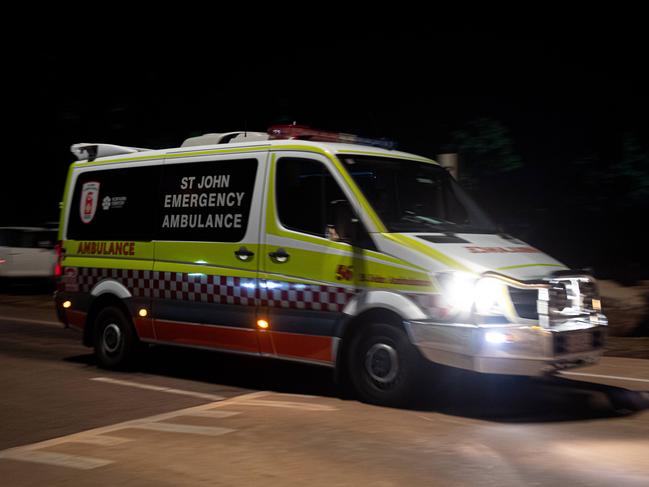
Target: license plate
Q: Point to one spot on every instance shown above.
(577, 342)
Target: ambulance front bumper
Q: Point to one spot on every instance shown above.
(511, 349)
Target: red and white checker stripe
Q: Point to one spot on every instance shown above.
(205, 288)
(305, 296)
(214, 289)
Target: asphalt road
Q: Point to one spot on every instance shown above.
(188, 417)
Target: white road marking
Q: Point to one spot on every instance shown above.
(101, 440)
(288, 394)
(214, 414)
(149, 387)
(463, 421)
(101, 436)
(184, 428)
(32, 453)
(600, 376)
(34, 322)
(290, 405)
(53, 458)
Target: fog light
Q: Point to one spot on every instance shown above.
(143, 312)
(496, 337)
(67, 304)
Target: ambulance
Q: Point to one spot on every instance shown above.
(315, 247)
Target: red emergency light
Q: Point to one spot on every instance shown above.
(302, 132)
(58, 267)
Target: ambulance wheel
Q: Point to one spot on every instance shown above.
(116, 343)
(383, 365)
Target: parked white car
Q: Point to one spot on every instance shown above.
(27, 252)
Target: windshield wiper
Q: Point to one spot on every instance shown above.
(416, 225)
(443, 226)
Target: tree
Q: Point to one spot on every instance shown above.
(631, 173)
(486, 150)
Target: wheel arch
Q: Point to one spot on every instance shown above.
(396, 302)
(111, 286)
(374, 304)
(353, 325)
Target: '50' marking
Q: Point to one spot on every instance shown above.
(344, 273)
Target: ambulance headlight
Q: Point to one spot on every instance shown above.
(468, 292)
(490, 296)
(458, 289)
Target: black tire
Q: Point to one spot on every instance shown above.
(383, 365)
(116, 343)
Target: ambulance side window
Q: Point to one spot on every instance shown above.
(304, 189)
(114, 204)
(207, 201)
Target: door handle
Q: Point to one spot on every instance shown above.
(244, 254)
(280, 256)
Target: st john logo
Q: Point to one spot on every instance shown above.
(88, 203)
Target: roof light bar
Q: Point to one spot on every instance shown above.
(302, 132)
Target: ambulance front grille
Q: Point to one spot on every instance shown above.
(524, 301)
(565, 299)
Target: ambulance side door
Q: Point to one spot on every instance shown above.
(306, 276)
(207, 250)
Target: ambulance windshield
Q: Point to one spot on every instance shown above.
(412, 196)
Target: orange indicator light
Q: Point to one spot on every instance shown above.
(597, 305)
(67, 304)
(143, 312)
(263, 324)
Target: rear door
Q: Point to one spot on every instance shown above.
(207, 250)
(108, 232)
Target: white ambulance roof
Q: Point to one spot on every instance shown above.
(331, 147)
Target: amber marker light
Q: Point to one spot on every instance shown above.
(67, 304)
(143, 312)
(263, 324)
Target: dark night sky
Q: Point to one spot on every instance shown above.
(562, 98)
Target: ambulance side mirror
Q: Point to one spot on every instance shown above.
(343, 224)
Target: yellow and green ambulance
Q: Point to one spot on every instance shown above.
(310, 246)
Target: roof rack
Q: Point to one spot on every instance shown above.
(226, 138)
(91, 152)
